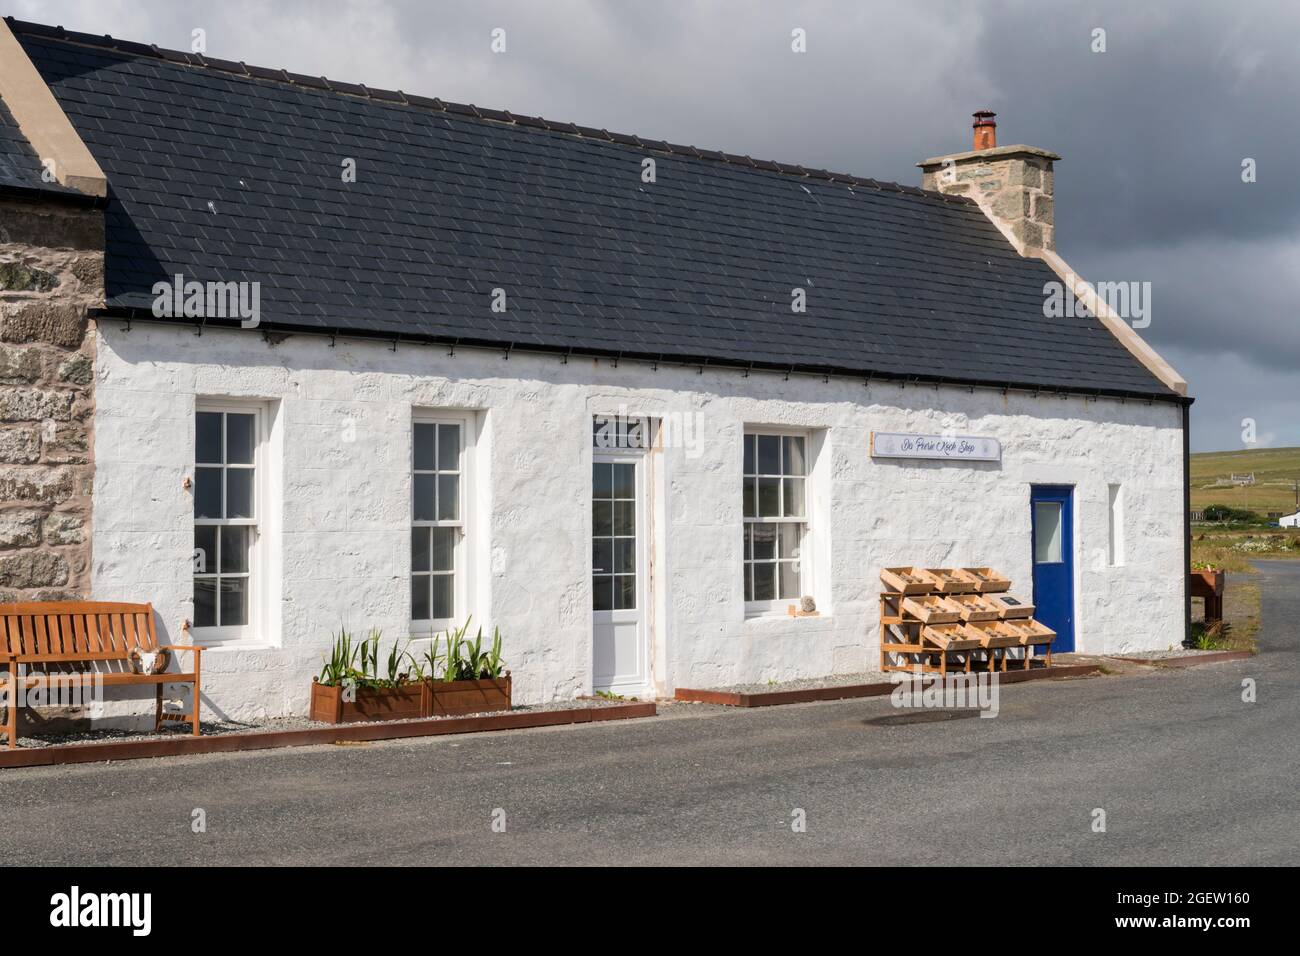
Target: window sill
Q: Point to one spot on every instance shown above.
(783, 615)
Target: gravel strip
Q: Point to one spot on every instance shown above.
(806, 683)
(218, 728)
(1165, 655)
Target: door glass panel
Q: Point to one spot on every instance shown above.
(613, 536)
(1047, 532)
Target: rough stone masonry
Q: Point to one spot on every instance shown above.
(51, 273)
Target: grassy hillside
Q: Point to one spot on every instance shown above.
(1275, 469)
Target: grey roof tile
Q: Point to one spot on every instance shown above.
(450, 203)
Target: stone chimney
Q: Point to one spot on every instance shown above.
(1012, 184)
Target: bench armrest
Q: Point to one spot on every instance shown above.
(196, 648)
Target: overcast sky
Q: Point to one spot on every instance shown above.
(1152, 132)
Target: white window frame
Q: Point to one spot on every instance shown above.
(778, 606)
(461, 553)
(242, 633)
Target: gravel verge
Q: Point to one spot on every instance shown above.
(218, 728)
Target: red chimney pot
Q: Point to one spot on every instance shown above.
(986, 129)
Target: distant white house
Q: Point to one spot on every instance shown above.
(1289, 521)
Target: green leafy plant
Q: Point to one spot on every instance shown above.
(495, 665)
(350, 661)
(341, 662)
(399, 664)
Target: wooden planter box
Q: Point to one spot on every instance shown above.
(382, 703)
(468, 696)
(1207, 583)
(425, 699)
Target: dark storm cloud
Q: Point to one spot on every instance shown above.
(1152, 132)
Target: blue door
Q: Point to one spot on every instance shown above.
(1053, 542)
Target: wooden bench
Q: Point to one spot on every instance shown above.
(42, 645)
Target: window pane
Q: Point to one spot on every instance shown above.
(419, 597)
(602, 592)
(424, 497)
(625, 592)
(764, 582)
(205, 603)
(207, 493)
(789, 574)
(749, 542)
(769, 497)
(790, 538)
(624, 481)
(749, 498)
(794, 457)
(205, 542)
(424, 454)
(234, 602)
(239, 492)
(624, 555)
(750, 459)
(449, 448)
(449, 497)
(625, 517)
(1047, 532)
(207, 437)
(420, 553)
(602, 518)
(234, 549)
(764, 538)
(769, 454)
(602, 555)
(602, 480)
(794, 503)
(749, 582)
(443, 605)
(240, 439)
(444, 548)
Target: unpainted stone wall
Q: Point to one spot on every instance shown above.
(1016, 190)
(51, 272)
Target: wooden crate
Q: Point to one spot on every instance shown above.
(931, 609)
(947, 580)
(949, 637)
(1010, 608)
(975, 607)
(906, 580)
(987, 580)
(995, 634)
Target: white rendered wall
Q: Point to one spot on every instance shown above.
(340, 538)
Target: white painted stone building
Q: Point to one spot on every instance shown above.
(409, 473)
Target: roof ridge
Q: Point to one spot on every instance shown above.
(361, 91)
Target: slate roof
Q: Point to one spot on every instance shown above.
(224, 172)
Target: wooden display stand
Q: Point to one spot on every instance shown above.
(942, 619)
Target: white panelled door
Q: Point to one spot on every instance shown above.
(618, 573)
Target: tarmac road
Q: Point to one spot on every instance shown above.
(1186, 772)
